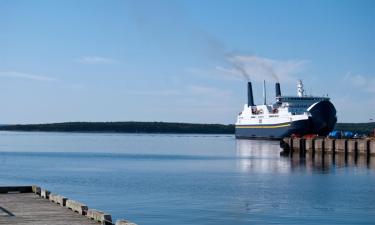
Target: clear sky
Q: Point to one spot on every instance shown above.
(175, 60)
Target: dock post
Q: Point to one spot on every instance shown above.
(329, 147)
(58, 199)
(99, 216)
(124, 222)
(363, 147)
(285, 145)
(76, 206)
(319, 145)
(296, 143)
(36, 190)
(341, 146)
(291, 145)
(352, 147)
(372, 148)
(309, 146)
(302, 144)
(45, 193)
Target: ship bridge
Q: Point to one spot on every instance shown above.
(298, 105)
(304, 98)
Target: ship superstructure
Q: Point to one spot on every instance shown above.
(289, 115)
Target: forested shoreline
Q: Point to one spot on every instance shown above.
(156, 127)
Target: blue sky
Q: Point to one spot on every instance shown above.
(173, 60)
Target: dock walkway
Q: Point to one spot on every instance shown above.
(32, 205)
(28, 208)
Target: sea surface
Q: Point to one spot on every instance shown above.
(191, 179)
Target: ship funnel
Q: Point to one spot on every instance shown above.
(250, 98)
(278, 90)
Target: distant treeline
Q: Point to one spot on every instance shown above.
(362, 128)
(125, 127)
(156, 127)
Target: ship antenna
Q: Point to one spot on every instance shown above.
(264, 93)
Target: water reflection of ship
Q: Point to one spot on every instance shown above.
(262, 156)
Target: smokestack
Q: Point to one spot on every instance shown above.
(250, 99)
(278, 90)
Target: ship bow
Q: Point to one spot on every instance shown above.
(323, 117)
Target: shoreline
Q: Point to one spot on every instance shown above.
(154, 127)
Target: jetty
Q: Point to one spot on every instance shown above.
(32, 205)
(323, 145)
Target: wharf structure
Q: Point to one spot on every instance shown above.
(323, 145)
(32, 205)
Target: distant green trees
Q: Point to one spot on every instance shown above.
(362, 128)
(125, 127)
(157, 127)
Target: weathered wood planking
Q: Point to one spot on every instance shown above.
(31, 209)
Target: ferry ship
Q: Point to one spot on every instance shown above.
(299, 115)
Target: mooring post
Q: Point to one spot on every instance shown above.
(309, 146)
(323, 146)
(363, 146)
(372, 148)
(302, 145)
(341, 146)
(352, 147)
(291, 145)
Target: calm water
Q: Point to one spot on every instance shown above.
(191, 179)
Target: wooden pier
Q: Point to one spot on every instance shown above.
(32, 205)
(323, 145)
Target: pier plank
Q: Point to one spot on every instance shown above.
(31, 209)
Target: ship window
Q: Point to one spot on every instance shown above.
(260, 120)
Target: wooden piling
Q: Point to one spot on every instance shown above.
(302, 149)
(309, 146)
(341, 146)
(291, 145)
(124, 222)
(296, 142)
(75, 206)
(45, 193)
(329, 145)
(58, 199)
(352, 146)
(372, 148)
(363, 146)
(286, 145)
(36, 190)
(99, 216)
(319, 145)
